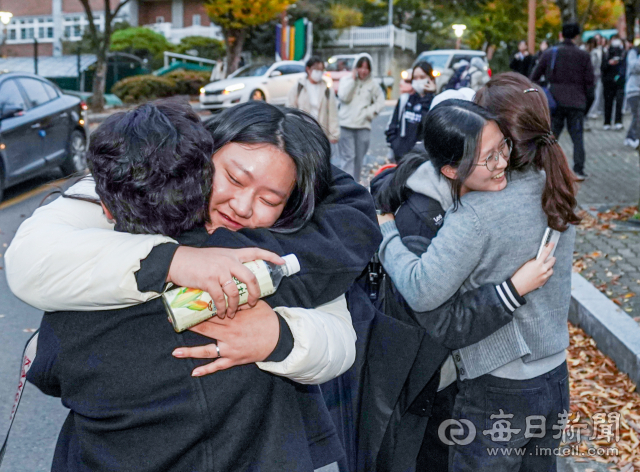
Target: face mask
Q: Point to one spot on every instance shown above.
(419, 85)
(316, 75)
(616, 43)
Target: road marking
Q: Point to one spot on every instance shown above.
(32, 193)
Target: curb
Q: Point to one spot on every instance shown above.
(617, 334)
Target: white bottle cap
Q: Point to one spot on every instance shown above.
(292, 263)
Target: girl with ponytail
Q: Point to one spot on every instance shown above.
(522, 107)
(509, 182)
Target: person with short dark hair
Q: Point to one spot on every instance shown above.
(185, 419)
(570, 75)
(522, 62)
(613, 82)
(314, 96)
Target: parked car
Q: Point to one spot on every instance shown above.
(268, 82)
(341, 65)
(40, 128)
(442, 61)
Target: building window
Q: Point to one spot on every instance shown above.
(159, 19)
(49, 32)
(67, 31)
(77, 31)
(41, 32)
(196, 20)
(12, 34)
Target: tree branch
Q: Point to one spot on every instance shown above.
(95, 39)
(117, 10)
(586, 14)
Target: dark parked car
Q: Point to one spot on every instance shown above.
(40, 128)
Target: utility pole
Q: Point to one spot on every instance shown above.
(531, 43)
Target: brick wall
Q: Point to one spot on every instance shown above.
(149, 11)
(26, 50)
(74, 6)
(195, 7)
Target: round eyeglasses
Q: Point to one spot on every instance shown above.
(504, 150)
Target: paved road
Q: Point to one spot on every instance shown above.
(40, 417)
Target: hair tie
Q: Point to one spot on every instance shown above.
(549, 139)
(531, 90)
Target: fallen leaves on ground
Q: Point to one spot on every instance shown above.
(618, 214)
(597, 390)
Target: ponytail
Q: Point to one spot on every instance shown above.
(396, 192)
(558, 196)
(522, 107)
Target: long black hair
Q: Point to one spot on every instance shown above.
(296, 134)
(452, 136)
(452, 132)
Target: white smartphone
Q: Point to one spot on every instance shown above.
(550, 236)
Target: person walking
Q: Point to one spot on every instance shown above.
(522, 61)
(361, 99)
(544, 45)
(570, 75)
(312, 95)
(613, 79)
(596, 53)
(632, 92)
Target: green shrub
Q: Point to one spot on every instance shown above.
(188, 82)
(141, 88)
(208, 48)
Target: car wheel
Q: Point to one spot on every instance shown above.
(258, 95)
(77, 155)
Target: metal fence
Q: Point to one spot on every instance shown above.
(379, 36)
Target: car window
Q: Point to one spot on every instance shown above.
(253, 71)
(462, 57)
(36, 93)
(340, 64)
(51, 91)
(291, 69)
(437, 61)
(10, 95)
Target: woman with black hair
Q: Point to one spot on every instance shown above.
(273, 183)
(404, 129)
(521, 368)
(361, 99)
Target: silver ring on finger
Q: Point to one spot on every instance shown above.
(230, 281)
(215, 341)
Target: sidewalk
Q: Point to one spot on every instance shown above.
(607, 250)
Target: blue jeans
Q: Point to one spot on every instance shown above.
(522, 442)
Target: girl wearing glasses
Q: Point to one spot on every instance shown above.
(516, 377)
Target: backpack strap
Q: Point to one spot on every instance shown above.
(28, 356)
(300, 87)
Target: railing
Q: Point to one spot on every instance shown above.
(170, 57)
(379, 36)
(174, 35)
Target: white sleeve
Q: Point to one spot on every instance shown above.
(324, 345)
(66, 256)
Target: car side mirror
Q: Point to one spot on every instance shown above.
(275, 73)
(10, 112)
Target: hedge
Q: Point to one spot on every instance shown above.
(141, 88)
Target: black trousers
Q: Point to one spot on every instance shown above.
(575, 124)
(613, 92)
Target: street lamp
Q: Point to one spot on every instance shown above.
(5, 18)
(459, 31)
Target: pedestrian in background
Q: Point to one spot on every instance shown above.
(596, 53)
(405, 130)
(522, 61)
(361, 99)
(591, 47)
(544, 45)
(632, 92)
(613, 79)
(314, 96)
(571, 82)
(476, 76)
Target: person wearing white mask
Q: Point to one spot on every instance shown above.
(314, 96)
(404, 128)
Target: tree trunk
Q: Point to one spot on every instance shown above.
(99, 82)
(568, 11)
(234, 41)
(630, 14)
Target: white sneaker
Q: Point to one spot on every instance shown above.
(627, 142)
(618, 126)
(634, 143)
(606, 127)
